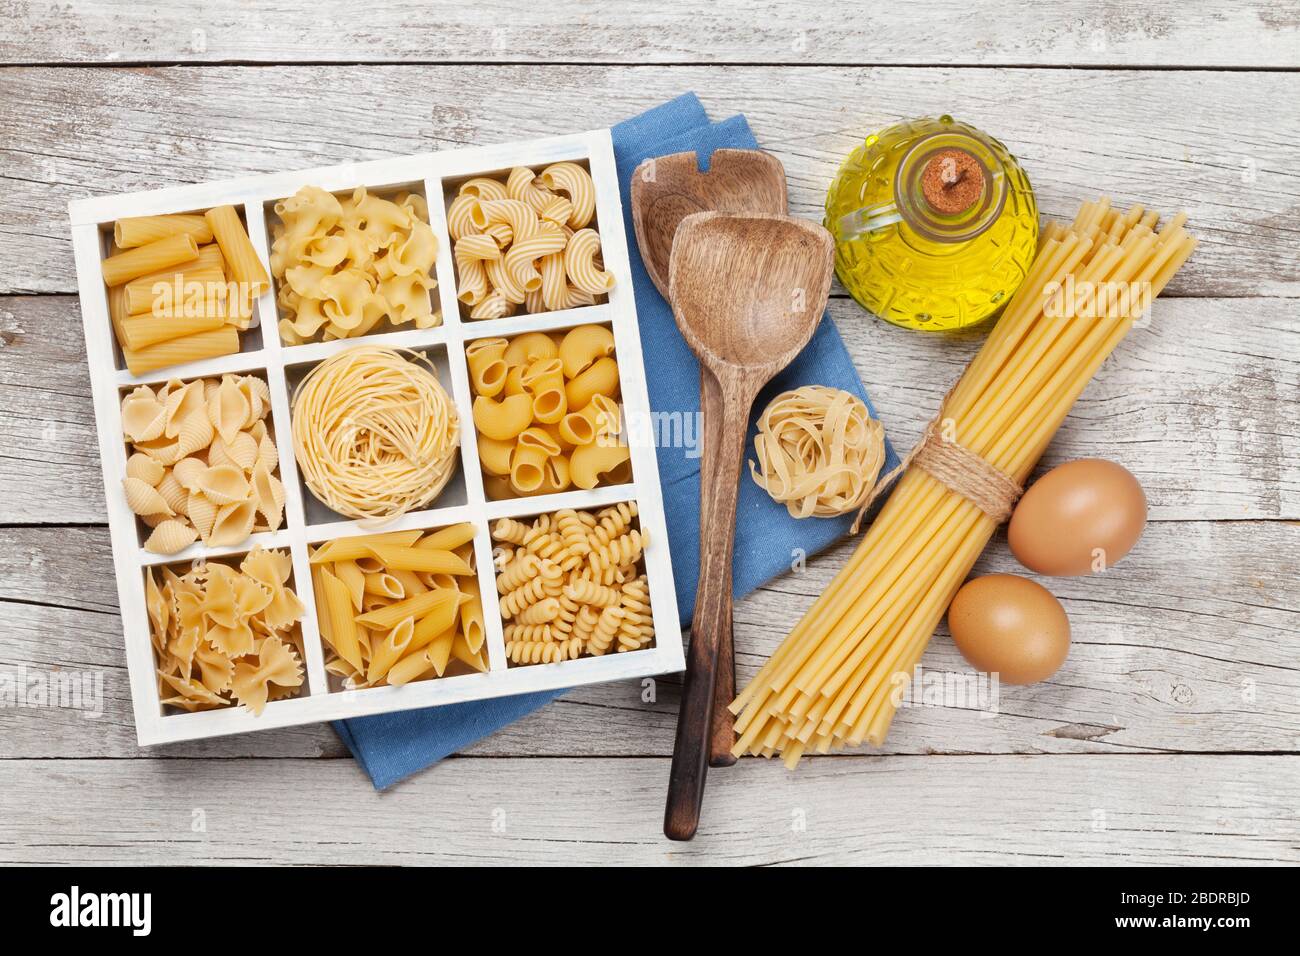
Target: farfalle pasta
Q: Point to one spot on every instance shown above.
(572, 584)
(352, 264)
(399, 607)
(526, 242)
(202, 462)
(546, 410)
(224, 634)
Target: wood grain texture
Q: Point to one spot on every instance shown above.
(865, 810)
(1187, 644)
(68, 133)
(1262, 33)
(1200, 406)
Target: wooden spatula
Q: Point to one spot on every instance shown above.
(747, 293)
(665, 190)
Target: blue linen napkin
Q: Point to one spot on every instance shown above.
(390, 747)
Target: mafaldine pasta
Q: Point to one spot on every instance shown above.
(527, 242)
(399, 607)
(352, 264)
(202, 462)
(572, 584)
(224, 634)
(546, 410)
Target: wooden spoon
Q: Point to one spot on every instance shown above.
(747, 293)
(665, 190)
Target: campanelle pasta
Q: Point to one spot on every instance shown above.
(203, 463)
(546, 411)
(399, 607)
(572, 584)
(525, 242)
(352, 265)
(224, 635)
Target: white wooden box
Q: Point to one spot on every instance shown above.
(306, 520)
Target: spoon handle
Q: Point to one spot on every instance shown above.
(694, 721)
(723, 734)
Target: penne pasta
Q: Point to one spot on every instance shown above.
(433, 561)
(448, 538)
(417, 607)
(342, 623)
(349, 549)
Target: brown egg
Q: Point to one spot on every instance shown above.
(1078, 518)
(1010, 625)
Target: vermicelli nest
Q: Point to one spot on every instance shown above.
(374, 432)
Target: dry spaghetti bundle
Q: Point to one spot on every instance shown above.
(831, 681)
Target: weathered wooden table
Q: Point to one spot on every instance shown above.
(1171, 733)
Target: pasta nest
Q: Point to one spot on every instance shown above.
(374, 432)
(819, 451)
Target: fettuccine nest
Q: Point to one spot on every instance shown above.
(818, 451)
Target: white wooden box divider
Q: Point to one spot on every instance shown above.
(464, 498)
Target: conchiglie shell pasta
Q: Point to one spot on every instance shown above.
(143, 417)
(224, 484)
(141, 466)
(268, 493)
(144, 499)
(169, 537)
(228, 409)
(243, 451)
(187, 472)
(173, 493)
(196, 432)
(233, 524)
(202, 512)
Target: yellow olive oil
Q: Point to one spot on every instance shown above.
(935, 224)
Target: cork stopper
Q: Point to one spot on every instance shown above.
(952, 181)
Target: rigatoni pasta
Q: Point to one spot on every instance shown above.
(399, 607)
(526, 242)
(170, 298)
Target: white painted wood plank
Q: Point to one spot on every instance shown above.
(1160, 137)
(991, 32)
(1200, 406)
(1188, 644)
(1125, 809)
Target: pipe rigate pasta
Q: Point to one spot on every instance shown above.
(514, 242)
(573, 584)
(182, 469)
(546, 411)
